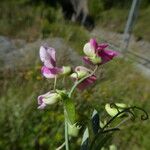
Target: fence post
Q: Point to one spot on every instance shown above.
(130, 23)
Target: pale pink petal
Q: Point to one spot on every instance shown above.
(47, 55)
(41, 103)
(48, 63)
(42, 106)
(82, 68)
(40, 98)
(51, 51)
(43, 53)
(89, 50)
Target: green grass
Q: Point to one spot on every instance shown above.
(115, 20)
(142, 28)
(39, 21)
(26, 127)
(44, 21)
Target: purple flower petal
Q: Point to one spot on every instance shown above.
(40, 101)
(41, 104)
(107, 55)
(87, 60)
(93, 43)
(88, 81)
(102, 46)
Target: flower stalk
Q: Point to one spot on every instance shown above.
(95, 55)
(82, 79)
(66, 131)
(55, 82)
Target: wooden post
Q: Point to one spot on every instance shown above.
(130, 23)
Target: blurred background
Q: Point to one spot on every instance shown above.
(66, 25)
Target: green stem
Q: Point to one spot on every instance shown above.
(123, 121)
(66, 132)
(70, 93)
(82, 79)
(55, 81)
(61, 146)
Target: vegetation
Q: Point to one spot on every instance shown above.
(25, 127)
(113, 16)
(41, 19)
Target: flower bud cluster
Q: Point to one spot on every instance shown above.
(96, 54)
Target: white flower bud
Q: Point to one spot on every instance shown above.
(112, 111)
(66, 70)
(89, 50)
(48, 99)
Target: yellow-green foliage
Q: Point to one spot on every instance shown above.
(27, 127)
(41, 20)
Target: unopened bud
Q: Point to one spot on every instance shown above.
(112, 111)
(66, 70)
(48, 99)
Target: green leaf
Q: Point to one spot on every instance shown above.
(85, 140)
(69, 108)
(102, 141)
(95, 122)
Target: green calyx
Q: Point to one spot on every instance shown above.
(79, 74)
(95, 60)
(73, 129)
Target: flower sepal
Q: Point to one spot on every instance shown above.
(95, 60)
(73, 129)
(66, 70)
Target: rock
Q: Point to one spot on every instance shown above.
(28, 55)
(6, 47)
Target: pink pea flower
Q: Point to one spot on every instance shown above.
(47, 99)
(47, 56)
(81, 72)
(97, 54)
(50, 70)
